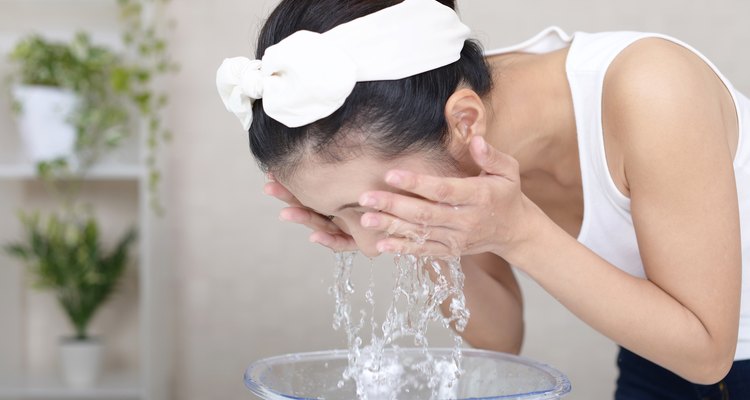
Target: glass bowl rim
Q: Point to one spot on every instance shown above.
(562, 383)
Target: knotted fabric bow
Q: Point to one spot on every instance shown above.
(308, 75)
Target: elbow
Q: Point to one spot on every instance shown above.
(518, 342)
(509, 347)
(711, 369)
(711, 373)
(509, 342)
(514, 343)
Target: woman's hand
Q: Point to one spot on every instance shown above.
(325, 232)
(454, 216)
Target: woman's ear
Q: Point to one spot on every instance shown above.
(465, 115)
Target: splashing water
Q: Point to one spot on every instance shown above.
(421, 286)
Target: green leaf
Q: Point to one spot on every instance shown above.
(18, 251)
(15, 107)
(121, 77)
(64, 254)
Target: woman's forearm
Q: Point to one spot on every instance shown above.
(494, 300)
(633, 312)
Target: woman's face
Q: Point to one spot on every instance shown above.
(334, 189)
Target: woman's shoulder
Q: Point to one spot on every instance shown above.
(651, 58)
(656, 95)
(654, 73)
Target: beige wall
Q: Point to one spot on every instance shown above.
(250, 286)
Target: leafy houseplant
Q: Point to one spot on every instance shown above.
(94, 74)
(117, 94)
(64, 255)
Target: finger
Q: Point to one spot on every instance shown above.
(454, 191)
(408, 208)
(395, 245)
(417, 233)
(394, 226)
(278, 191)
(493, 161)
(334, 242)
(309, 218)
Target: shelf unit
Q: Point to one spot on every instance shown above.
(121, 172)
(138, 320)
(111, 387)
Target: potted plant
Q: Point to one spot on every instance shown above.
(69, 98)
(86, 98)
(64, 254)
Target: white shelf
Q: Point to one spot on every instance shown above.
(149, 357)
(111, 387)
(101, 172)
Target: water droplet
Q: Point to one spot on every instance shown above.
(421, 285)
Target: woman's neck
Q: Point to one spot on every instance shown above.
(531, 115)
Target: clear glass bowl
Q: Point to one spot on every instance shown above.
(487, 375)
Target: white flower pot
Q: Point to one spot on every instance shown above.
(43, 121)
(81, 362)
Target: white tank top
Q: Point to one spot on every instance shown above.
(606, 209)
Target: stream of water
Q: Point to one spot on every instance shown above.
(421, 286)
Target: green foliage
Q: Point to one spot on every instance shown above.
(144, 36)
(118, 93)
(64, 255)
(101, 117)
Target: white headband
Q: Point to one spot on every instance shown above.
(308, 76)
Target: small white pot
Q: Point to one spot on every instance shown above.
(43, 121)
(81, 362)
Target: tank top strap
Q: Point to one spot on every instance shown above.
(550, 39)
(589, 58)
(606, 209)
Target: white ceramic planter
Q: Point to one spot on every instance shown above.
(43, 121)
(81, 362)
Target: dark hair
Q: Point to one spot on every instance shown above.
(387, 118)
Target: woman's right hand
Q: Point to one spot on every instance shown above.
(325, 232)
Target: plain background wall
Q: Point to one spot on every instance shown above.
(252, 287)
(248, 286)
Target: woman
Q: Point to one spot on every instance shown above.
(612, 168)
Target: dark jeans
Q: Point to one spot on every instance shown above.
(641, 379)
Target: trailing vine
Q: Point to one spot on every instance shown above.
(144, 35)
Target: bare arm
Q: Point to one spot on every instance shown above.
(494, 299)
(666, 114)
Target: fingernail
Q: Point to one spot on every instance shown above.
(367, 201)
(394, 178)
(318, 242)
(384, 248)
(314, 238)
(483, 146)
(369, 221)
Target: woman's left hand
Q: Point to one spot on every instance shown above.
(454, 216)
